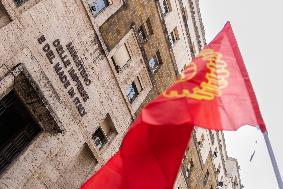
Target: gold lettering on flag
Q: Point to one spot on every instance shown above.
(215, 78)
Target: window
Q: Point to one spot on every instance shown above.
(108, 127)
(215, 153)
(194, 48)
(211, 137)
(121, 57)
(165, 7)
(19, 2)
(104, 133)
(220, 183)
(149, 26)
(201, 141)
(99, 138)
(217, 171)
(17, 129)
(173, 36)
(134, 89)
(205, 179)
(189, 168)
(154, 62)
(142, 33)
(96, 6)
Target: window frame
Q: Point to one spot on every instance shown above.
(19, 3)
(158, 62)
(107, 3)
(142, 33)
(149, 26)
(173, 36)
(117, 67)
(165, 7)
(136, 91)
(95, 137)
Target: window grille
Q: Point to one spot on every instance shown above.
(17, 129)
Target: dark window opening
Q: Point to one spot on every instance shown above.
(149, 26)
(220, 183)
(165, 7)
(20, 2)
(173, 36)
(117, 67)
(171, 39)
(205, 179)
(215, 154)
(142, 33)
(217, 171)
(99, 138)
(155, 62)
(134, 89)
(17, 129)
(211, 137)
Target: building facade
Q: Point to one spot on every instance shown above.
(75, 73)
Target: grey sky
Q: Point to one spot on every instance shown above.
(258, 28)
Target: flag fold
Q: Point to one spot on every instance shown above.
(213, 92)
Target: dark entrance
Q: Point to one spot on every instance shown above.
(17, 129)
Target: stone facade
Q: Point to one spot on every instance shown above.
(134, 15)
(53, 47)
(206, 164)
(81, 71)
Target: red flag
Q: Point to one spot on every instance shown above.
(214, 92)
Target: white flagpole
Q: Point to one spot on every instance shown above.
(273, 160)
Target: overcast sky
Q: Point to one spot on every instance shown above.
(258, 27)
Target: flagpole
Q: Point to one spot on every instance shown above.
(273, 160)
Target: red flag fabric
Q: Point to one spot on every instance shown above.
(213, 92)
